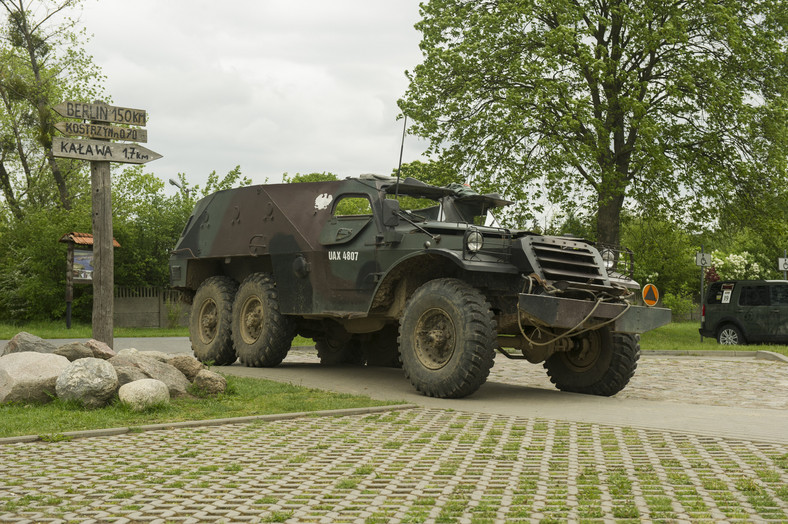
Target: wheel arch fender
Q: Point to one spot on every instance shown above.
(408, 274)
(732, 321)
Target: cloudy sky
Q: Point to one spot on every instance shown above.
(295, 86)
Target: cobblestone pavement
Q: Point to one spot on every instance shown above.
(418, 465)
(707, 381)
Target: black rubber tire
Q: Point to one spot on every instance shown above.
(606, 368)
(382, 349)
(730, 335)
(447, 339)
(335, 352)
(262, 335)
(210, 321)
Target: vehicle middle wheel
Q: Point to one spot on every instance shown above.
(262, 335)
(333, 351)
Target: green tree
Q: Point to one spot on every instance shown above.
(676, 105)
(148, 223)
(436, 172)
(43, 63)
(298, 178)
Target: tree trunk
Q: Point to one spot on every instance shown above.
(42, 105)
(8, 193)
(608, 220)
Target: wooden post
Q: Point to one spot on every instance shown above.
(69, 283)
(103, 255)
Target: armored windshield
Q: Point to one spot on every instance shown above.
(457, 202)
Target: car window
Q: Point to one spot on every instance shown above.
(754, 296)
(780, 295)
(720, 293)
(353, 206)
(714, 295)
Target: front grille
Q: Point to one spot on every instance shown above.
(562, 259)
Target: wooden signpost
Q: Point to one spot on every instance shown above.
(100, 152)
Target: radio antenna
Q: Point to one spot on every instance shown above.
(401, 148)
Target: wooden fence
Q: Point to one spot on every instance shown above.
(149, 307)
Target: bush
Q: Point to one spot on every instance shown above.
(680, 304)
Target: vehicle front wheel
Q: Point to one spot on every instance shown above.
(261, 333)
(730, 335)
(210, 322)
(447, 339)
(600, 363)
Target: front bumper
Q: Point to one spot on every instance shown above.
(568, 313)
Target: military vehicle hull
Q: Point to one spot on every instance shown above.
(430, 288)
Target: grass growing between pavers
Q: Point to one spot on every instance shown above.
(495, 469)
(244, 397)
(684, 336)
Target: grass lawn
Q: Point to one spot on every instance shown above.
(684, 336)
(244, 397)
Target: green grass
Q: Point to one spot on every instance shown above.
(52, 329)
(684, 336)
(244, 397)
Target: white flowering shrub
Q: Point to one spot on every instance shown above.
(737, 266)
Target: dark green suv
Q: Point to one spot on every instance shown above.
(746, 311)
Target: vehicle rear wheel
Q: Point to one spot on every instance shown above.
(261, 333)
(730, 335)
(210, 322)
(600, 363)
(447, 339)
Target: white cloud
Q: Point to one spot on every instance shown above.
(273, 85)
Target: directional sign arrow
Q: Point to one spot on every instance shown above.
(101, 131)
(95, 150)
(102, 113)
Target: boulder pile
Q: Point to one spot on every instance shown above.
(91, 373)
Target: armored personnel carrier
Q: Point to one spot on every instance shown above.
(401, 273)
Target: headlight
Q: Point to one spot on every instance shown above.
(609, 258)
(474, 242)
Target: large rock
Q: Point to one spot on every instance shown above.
(128, 373)
(100, 349)
(210, 382)
(188, 365)
(24, 341)
(156, 355)
(74, 351)
(152, 368)
(90, 381)
(142, 394)
(29, 376)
